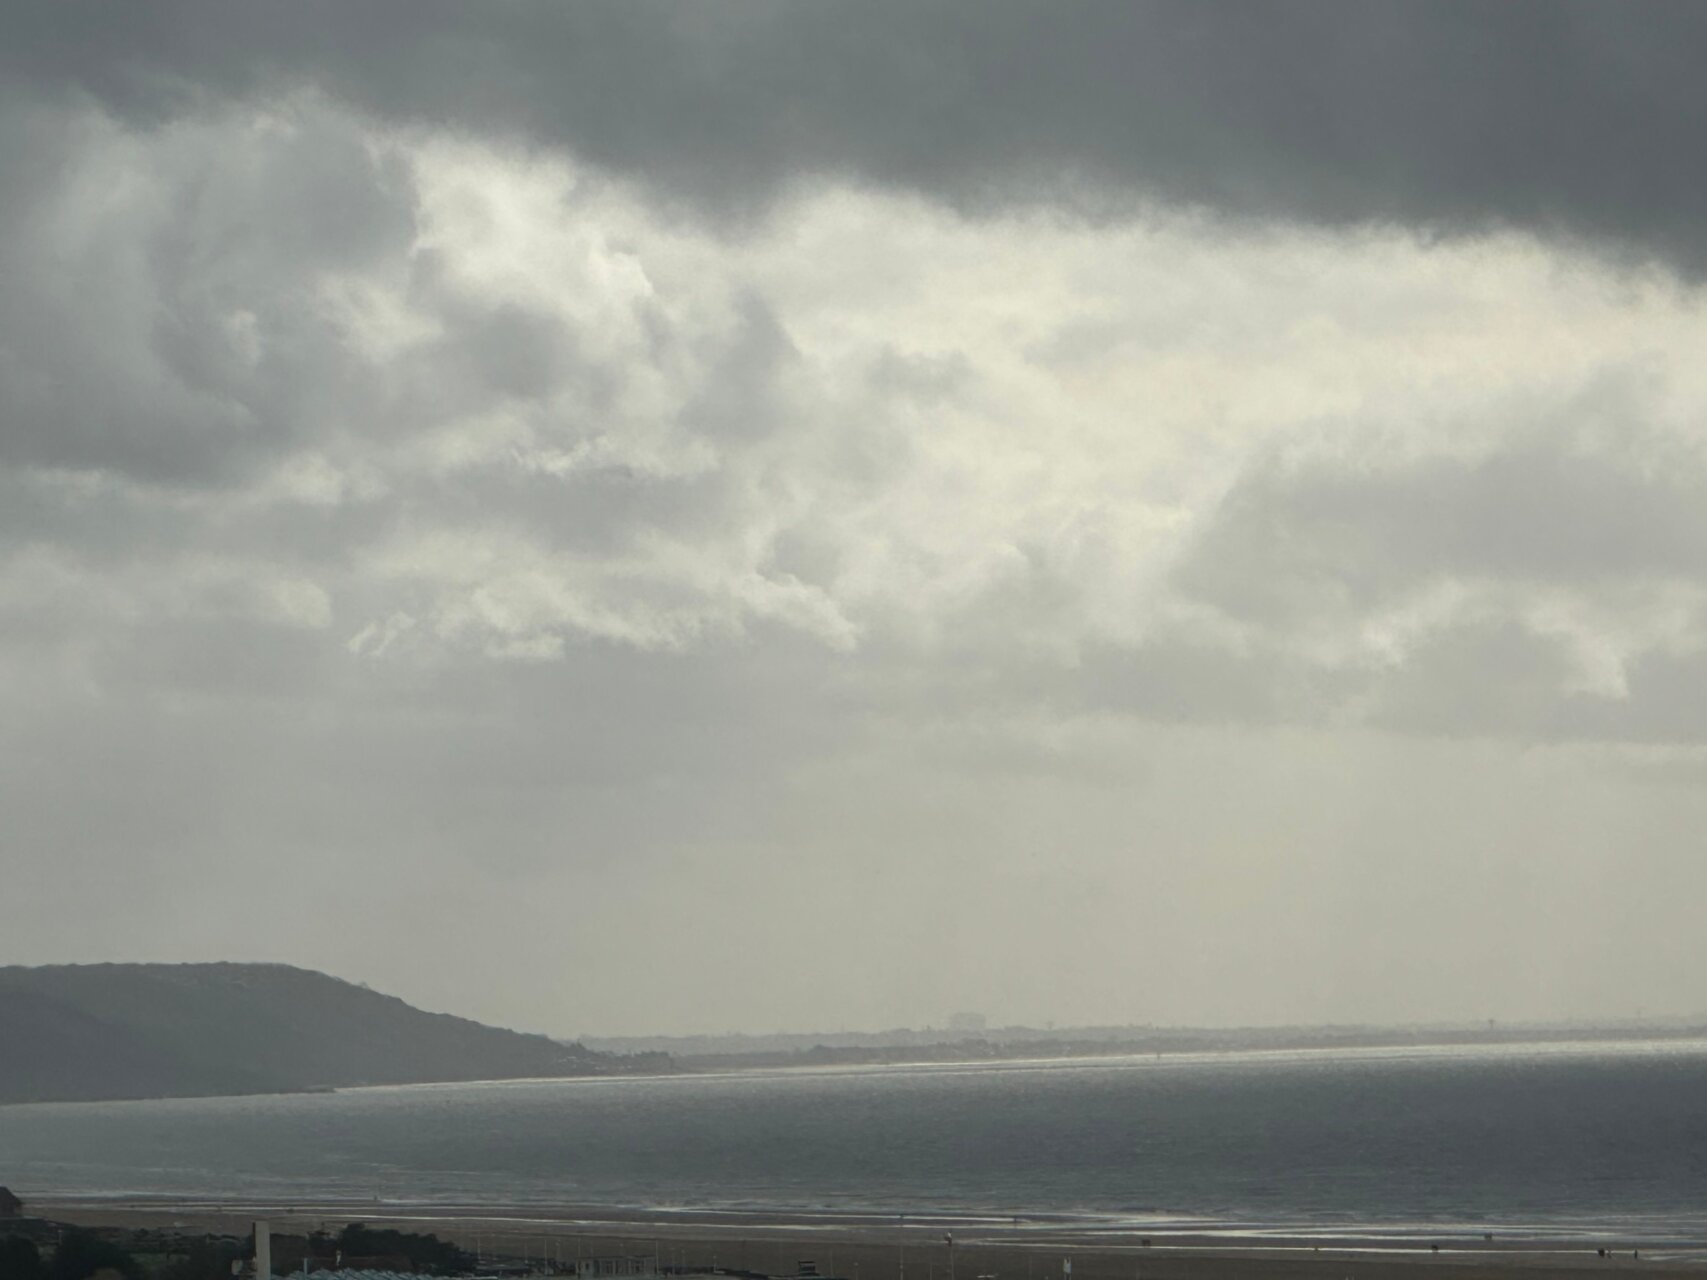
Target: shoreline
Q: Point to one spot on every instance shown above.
(864, 1246)
(1376, 1048)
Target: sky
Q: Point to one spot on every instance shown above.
(629, 518)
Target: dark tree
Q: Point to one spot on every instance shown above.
(425, 1252)
(19, 1259)
(206, 1259)
(80, 1254)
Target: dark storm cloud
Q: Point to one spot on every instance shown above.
(1578, 118)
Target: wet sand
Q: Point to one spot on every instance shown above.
(855, 1247)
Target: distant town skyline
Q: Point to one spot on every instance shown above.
(642, 518)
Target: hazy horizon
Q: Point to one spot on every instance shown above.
(951, 1027)
(634, 519)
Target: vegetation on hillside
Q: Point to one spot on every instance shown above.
(70, 1032)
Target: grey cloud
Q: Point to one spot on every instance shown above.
(1667, 696)
(1178, 675)
(167, 542)
(159, 317)
(1287, 542)
(570, 514)
(1567, 117)
(740, 393)
(1298, 552)
(1491, 676)
(509, 351)
(1182, 678)
(929, 377)
(1504, 679)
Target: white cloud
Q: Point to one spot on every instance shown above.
(573, 417)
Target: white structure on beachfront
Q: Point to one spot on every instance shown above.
(618, 1267)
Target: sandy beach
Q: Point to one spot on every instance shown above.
(865, 1248)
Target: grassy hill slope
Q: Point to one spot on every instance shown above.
(144, 1030)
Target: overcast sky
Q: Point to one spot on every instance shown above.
(625, 518)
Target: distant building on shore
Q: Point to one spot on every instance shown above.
(623, 1267)
(10, 1205)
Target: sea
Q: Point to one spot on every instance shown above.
(1562, 1140)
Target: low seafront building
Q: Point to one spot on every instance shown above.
(618, 1267)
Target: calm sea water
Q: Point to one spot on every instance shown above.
(1562, 1136)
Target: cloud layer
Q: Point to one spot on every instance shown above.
(805, 464)
(459, 401)
(1566, 117)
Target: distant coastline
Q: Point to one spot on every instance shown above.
(129, 1032)
(943, 1045)
(125, 1032)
